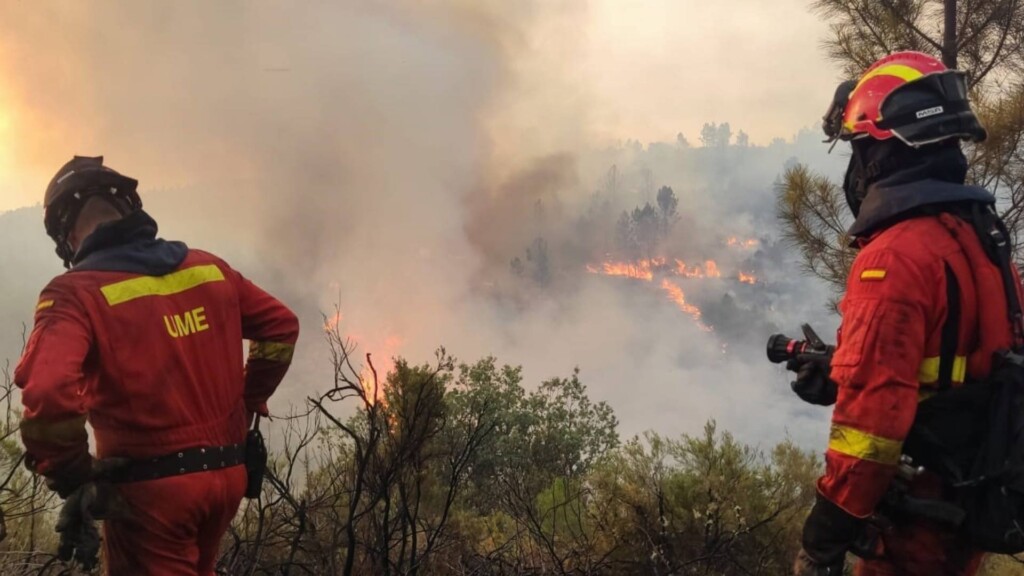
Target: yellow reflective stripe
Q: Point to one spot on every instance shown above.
(928, 373)
(62, 433)
(173, 283)
(43, 305)
(873, 274)
(273, 351)
(906, 73)
(898, 70)
(959, 369)
(864, 446)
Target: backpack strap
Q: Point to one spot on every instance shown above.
(950, 331)
(995, 239)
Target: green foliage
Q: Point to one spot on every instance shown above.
(564, 509)
(461, 469)
(467, 471)
(815, 217)
(987, 36)
(564, 432)
(708, 504)
(554, 432)
(27, 539)
(998, 164)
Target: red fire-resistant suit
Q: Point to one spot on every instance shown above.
(887, 361)
(154, 363)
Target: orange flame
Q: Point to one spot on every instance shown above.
(709, 270)
(712, 269)
(735, 242)
(681, 270)
(645, 269)
(748, 278)
(383, 359)
(675, 294)
(640, 270)
(372, 386)
(385, 364)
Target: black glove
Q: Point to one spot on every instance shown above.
(79, 538)
(812, 383)
(829, 532)
(72, 474)
(94, 500)
(82, 471)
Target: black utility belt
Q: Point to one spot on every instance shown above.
(189, 461)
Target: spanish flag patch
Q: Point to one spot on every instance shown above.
(873, 274)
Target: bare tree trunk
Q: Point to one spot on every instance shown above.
(353, 507)
(949, 36)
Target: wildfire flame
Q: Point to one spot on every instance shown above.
(712, 269)
(709, 270)
(675, 294)
(735, 242)
(646, 269)
(383, 355)
(640, 270)
(371, 385)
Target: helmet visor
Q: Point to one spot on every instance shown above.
(930, 110)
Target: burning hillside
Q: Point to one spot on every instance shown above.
(675, 294)
(747, 278)
(667, 273)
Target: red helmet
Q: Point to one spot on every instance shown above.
(909, 95)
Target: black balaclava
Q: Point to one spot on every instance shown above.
(893, 161)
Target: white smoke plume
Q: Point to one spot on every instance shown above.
(393, 158)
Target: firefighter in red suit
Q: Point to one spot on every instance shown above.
(142, 339)
(924, 310)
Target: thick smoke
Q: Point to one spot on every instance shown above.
(394, 158)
